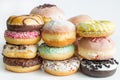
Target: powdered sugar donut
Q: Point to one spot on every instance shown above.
(48, 12)
(59, 33)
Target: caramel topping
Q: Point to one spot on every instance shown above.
(25, 20)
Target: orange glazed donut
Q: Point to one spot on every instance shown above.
(59, 33)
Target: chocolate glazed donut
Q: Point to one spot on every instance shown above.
(24, 26)
(22, 62)
(98, 68)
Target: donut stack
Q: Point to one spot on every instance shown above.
(58, 49)
(20, 50)
(96, 48)
(48, 12)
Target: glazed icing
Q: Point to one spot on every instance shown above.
(55, 50)
(25, 20)
(66, 65)
(103, 43)
(59, 26)
(52, 12)
(96, 55)
(105, 68)
(22, 35)
(15, 48)
(80, 18)
(60, 37)
(94, 25)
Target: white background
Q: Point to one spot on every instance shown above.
(97, 9)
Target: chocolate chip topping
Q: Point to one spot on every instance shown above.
(22, 62)
(12, 47)
(4, 47)
(21, 47)
(97, 64)
(46, 5)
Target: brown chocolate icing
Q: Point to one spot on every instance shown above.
(91, 67)
(46, 5)
(24, 28)
(93, 73)
(22, 62)
(29, 18)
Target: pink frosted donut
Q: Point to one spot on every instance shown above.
(22, 35)
(80, 18)
(96, 48)
(29, 37)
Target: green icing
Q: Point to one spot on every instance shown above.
(55, 50)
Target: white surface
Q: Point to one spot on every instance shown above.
(97, 9)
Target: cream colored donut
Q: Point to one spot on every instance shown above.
(21, 51)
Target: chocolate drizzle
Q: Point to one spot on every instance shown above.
(29, 18)
(46, 5)
(24, 27)
(96, 64)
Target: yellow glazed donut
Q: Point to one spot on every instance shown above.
(94, 28)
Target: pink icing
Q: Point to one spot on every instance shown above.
(102, 39)
(102, 43)
(22, 35)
